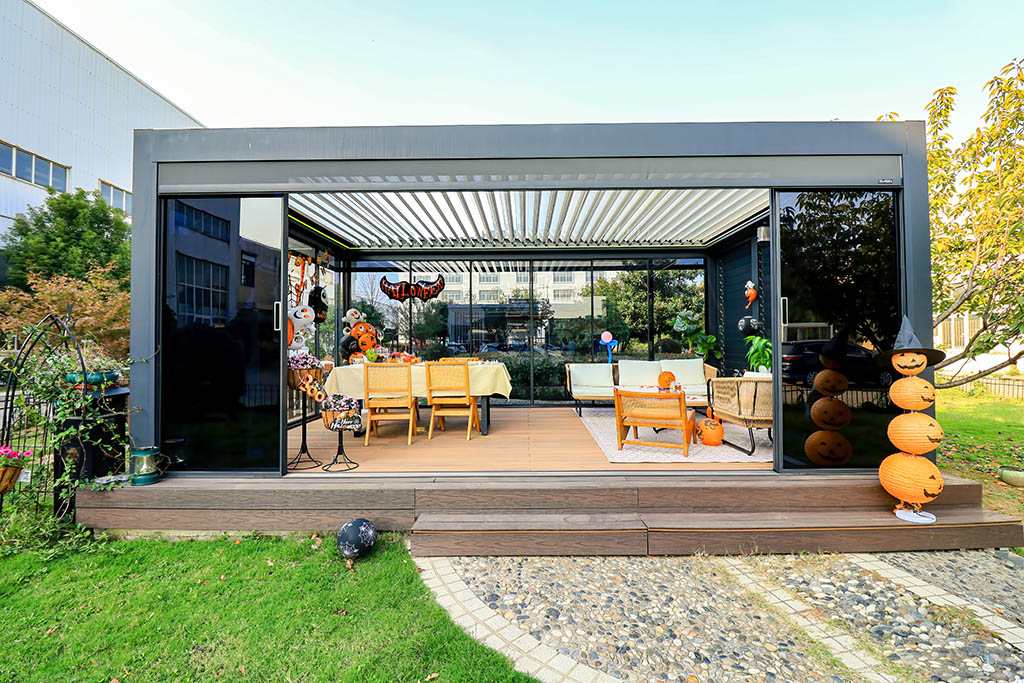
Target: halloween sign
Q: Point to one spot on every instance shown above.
(403, 291)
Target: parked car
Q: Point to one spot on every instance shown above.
(800, 364)
(455, 348)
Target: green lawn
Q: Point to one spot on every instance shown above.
(265, 609)
(983, 431)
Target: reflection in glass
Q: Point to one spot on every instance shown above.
(840, 306)
(220, 354)
(563, 324)
(620, 306)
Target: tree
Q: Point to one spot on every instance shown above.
(99, 307)
(674, 291)
(976, 193)
(430, 322)
(68, 234)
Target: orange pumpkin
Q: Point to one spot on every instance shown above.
(909, 362)
(830, 383)
(910, 478)
(710, 432)
(829, 362)
(665, 379)
(912, 393)
(827, 448)
(915, 433)
(830, 413)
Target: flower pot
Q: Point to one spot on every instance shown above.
(1014, 476)
(8, 477)
(329, 416)
(296, 377)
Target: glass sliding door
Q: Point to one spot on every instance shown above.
(839, 306)
(220, 353)
(563, 324)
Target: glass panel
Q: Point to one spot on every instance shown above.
(434, 325)
(6, 159)
(678, 291)
(620, 306)
(221, 369)
(563, 324)
(42, 174)
(383, 313)
(501, 320)
(24, 165)
(59, 181)
(108, 193)
(840, 281)
(118, 199)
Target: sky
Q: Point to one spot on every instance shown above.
(334, 62)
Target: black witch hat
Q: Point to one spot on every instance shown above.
(835, 348)
(907, 342)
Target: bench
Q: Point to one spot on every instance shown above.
(597, 381)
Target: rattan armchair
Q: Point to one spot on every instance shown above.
(657, 410)
(743, 401)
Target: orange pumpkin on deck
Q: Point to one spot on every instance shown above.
(912, 393)
(910, 478)
(915, 433)
(830, 449)
(909, 362)
(710, 432)
(830, 383)
(665, 379)
(830, 413)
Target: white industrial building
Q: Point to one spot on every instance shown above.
(67, 113)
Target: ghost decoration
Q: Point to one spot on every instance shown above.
(352, 318)
(300, 323)
(750, 292)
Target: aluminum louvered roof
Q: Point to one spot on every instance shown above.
(446, 219)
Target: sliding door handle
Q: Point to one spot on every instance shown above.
(784, 301)
(277, 316)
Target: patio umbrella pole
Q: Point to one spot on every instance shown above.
(293, 464)
(349, 464)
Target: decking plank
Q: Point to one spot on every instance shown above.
(238, 520)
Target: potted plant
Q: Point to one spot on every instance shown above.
(302, 364)
(11, 464)
(335, 406)
(759, 353)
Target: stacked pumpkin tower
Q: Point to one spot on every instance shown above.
(909, 476)
(827, 447)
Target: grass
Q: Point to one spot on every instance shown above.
(265, 609)
(983, 431)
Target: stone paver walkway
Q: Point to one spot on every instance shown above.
(858, 617)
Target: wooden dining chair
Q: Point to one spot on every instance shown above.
(448, 396)
(387, 390)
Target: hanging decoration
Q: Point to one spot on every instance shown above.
(360, 340)
(749, 325)
(827, 447)
(750, 292)
(909, 476)
(300, 322)
(609, 342)
(403, 291)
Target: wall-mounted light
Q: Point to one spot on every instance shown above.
(764, 234)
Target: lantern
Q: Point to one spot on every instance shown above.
(912, 480)
(915, 433)
(912, 393)
(830, 413)
(909, 362)
(710, 432)
(830, 383)
(828, 448)
(143, 466)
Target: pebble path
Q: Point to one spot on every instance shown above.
(688, 619)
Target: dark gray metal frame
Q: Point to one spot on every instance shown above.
(778, 156)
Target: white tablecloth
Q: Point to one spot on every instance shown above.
(484, 380)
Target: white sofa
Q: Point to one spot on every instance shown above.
(597, 381)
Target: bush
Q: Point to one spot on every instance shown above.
(668, 345)
(435, 352)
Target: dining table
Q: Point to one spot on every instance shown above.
(486, 379)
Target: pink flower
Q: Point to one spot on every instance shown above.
(6, 450)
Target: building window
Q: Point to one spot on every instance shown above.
(488, 296)
(974, 325)
(202, 292)
(453, 278)
(489, 278)
(23, 167)
(248, 270)
(453, 296)
(6, 159)
(945, 332)
(522, 277)
(190, 218)
(116, 197)
(562, 295)
(32, 169)
(958, 332)
(564, 275)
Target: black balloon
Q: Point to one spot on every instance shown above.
(356, 538)
(749, 325)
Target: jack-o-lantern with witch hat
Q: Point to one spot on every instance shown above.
(827, 447)
(909, 476)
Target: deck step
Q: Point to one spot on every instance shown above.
(611, 533)
(676, 533)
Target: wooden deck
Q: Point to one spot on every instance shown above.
(543, 514)
(519, 440)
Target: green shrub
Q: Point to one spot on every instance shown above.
(668, 345)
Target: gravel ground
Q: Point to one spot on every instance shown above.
(994, 579)
(644, 618)
(935, 643)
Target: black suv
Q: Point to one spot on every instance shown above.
(800, 364)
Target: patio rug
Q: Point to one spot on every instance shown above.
(600, 422)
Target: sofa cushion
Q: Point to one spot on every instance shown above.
(695, 389)
(591, 375)
(751, 373)
(582, 391)
(639, 373)
(686, 370)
